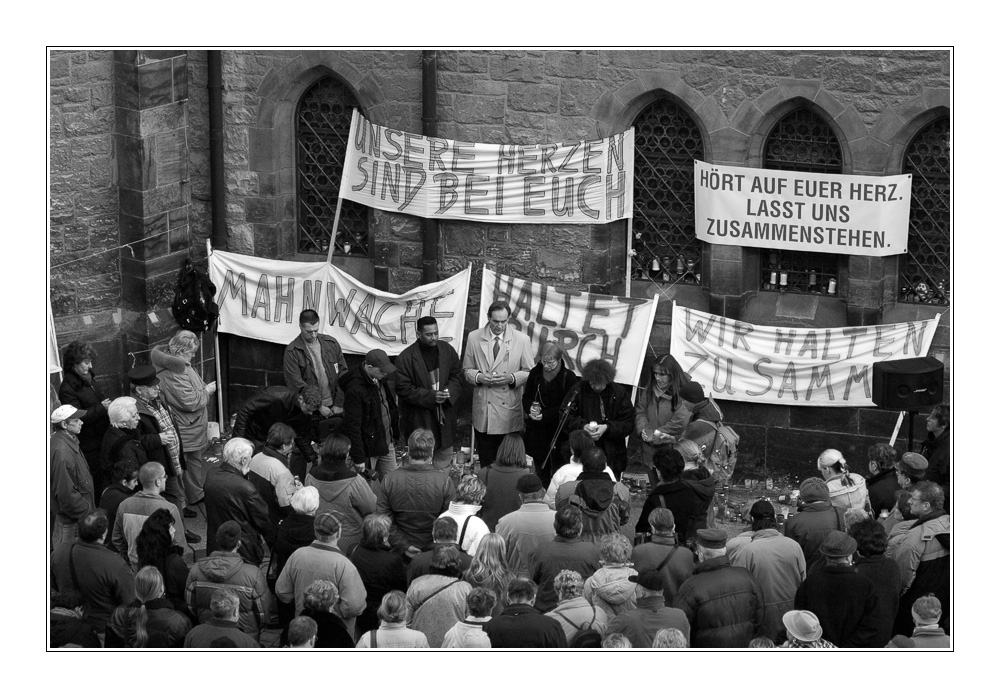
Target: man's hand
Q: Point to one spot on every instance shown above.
(338, 410)
(210, 387)
(106, 402)
(646, 435)
(167, 438)
(441, 396)
(412, 551)
(597, 432)
(325, 411)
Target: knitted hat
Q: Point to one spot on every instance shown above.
(813, 489)
(913, 465)
(712, 538)
(803, 625)
(838, 544)
(526, 484)
(762, 509)
(692, 392)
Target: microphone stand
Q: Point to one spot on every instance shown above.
(563, 418)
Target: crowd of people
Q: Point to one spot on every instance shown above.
(315, 529)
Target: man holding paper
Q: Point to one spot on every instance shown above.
(497, 361)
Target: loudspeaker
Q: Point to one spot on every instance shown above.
(908, 384)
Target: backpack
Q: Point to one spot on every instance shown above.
(721, 454)
(194, 305)
(584, 636)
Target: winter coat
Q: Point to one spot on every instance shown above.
(202, 636)
(103, 579)
(937, 451)
(810, 526)
(465, 516)
(382, 570)
(110, 501)
(723, 604)
(131, 517)
(551, 395)
(578, 614)
(606, 504)
(610, 590)
(675, 572)
(882, 490)
(417, 404)
(497, 409)
(72, 487)
(701, 426)
(323, 561)
(123, 445)
(421, 563)
(184, 392)
(275, 404)
(655, 409)
(559, 554)
(686, 499)
(230, 496)
(435, 604)
(845, 603)
(703, 483)
(467, 633)
(641, 624)
(363, 420)
(568, 473)
(413, 496)
(524, 530)
(502, 496)
(612, 406)
(346, 494)
(778, 565)
(247, 581)
(175, 572)
(150, 440)
(295, 531)
(922, 638)
(68, 629)
(300, 372)
(924, 559)
(84, 394)
(884, 575)
(275, 483)
(852, 496)
(161, 619)
(524, 626)
(331, 633)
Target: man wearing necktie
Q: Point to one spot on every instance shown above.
(497, 361)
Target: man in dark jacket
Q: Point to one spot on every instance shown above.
(814, 520)
(844, 601)
(882, 485)
(604, 410)
(429, 384)
(604, 502)
(72, 486)
(159, 435)
(224, 568)
(937, 449)
(521, 624)
(370, 417)
(102, 577)
(230, 496)
(567, 551)
(664, 553)
(724, 604)
(316, 359)
(924, 556)
(688, 500)
(650, 615)
(871, 562)
(286, 405)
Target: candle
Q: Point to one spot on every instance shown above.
(832, 288)
(784, 278)
(774, 278)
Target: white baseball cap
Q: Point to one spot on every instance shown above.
(64, 412)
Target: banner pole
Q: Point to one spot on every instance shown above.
(333, 233)
(218, 363)
(628, 265)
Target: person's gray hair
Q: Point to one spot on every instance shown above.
(670, 638)
(616, 641)
(306, 500)
(710, 553)
(420, 444)
(236, 450)
(224, 604)
(121, 410)
(183, 341)
(393, 607)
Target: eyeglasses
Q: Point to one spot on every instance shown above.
(660, 375)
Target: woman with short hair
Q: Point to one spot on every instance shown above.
(295, 531)
(392, 631)
(342, 490)
(544, 394)
(79, 388)
(574, 612)
(319, 601)
(121, 440)
(464, 507)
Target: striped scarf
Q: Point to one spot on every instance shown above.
(165, 424)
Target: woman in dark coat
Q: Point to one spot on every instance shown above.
(79, 389)
(687, 500)
(381, 569)
(155, 547)
(543, 396)
(294, 531)
(604, 410)
(871, 562)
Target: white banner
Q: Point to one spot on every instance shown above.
(586, 325)
(846, 214)
(262, 298)
(577, 183)
(801, 366)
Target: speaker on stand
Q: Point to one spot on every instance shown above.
(908, 385)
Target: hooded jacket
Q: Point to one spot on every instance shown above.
(605, 503)
(723, 604)
(610, 590)
(346, 494)
(705, 416)
(184, 392)
(810, 526)
(924, 559)
(613, 407)
(227, 569)
(363, 422)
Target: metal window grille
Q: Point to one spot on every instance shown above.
(801, 141)
(323, 124)
(925, 276)
(667, 142)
